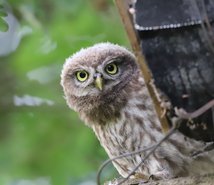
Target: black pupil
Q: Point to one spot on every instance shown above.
(82, 75)
(110, 68)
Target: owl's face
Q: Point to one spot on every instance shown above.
(94, 80)
(97, 71)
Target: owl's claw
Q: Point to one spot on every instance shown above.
(141, 178)
(165, 105)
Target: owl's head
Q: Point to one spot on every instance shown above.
(99, 70)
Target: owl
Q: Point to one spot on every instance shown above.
(104, 85)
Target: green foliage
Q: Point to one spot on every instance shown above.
(43, 137)
(3, 23)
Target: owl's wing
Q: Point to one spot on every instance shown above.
(177, 39)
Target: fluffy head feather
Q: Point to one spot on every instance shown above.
(99, 104)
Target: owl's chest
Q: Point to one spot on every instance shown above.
(126, 135)
(129, 133)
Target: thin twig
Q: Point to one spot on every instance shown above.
(170, 132)
(118, 157)
(181, 113)
(207, 148)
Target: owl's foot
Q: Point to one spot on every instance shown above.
(141, 177)
(163, 174)
(138, 175)
(157, 176)
(165, 107)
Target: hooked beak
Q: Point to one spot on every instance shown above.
(98, 81)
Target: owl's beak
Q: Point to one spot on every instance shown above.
(98, 81)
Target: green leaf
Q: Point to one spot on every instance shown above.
(3, 24)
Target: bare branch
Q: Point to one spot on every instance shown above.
(181, 113)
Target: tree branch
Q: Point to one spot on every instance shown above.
(122, 7)
(191, 180)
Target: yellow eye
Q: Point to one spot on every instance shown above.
(82, 75)
(111, 69)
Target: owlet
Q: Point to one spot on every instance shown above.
(104, 85)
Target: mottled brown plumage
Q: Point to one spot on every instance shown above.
(121, 113)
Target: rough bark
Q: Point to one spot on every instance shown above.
(191, 180)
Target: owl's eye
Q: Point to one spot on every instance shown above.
(82, 75)
(111, 69)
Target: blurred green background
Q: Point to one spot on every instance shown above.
(41, 140)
